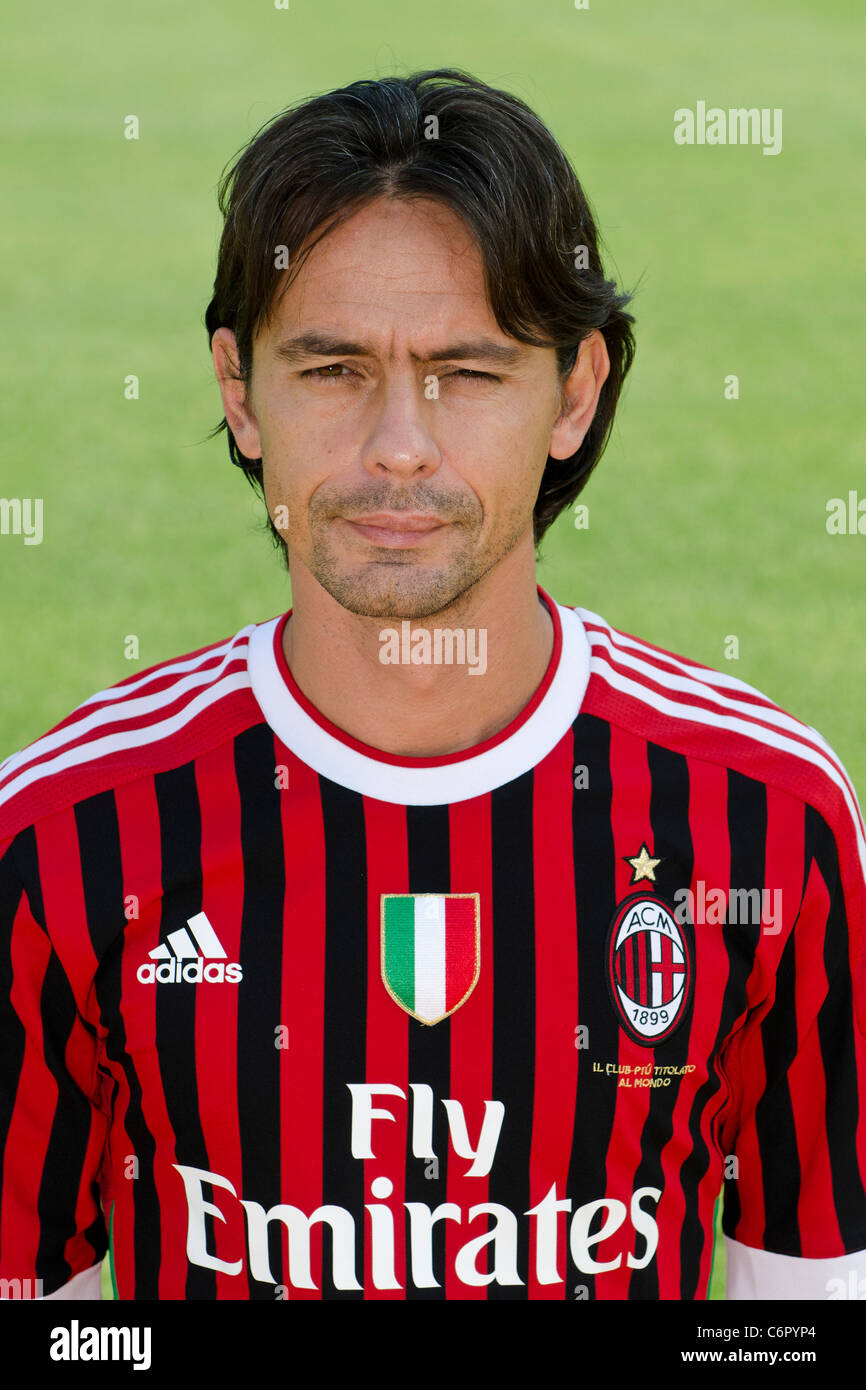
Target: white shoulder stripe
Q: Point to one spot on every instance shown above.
(680, 709)
(111, 713)
(706, 674)
(696, 685)
(168, 668)
(689, 686)
(129, 738)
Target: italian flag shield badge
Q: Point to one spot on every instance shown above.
(430, 951)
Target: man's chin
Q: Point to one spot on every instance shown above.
(405, 594)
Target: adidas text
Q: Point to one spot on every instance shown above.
(191, 955)
(175, 972)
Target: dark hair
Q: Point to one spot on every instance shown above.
(443, 135)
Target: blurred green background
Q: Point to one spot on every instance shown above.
(707, 515)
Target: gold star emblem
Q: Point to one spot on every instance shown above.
(643, 865)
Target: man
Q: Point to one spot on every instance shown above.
(432, 940)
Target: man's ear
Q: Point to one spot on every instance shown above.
(236, 406)
(580, 393)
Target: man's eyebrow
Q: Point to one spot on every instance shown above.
(317, 345)
(313, 344)
(482, 349)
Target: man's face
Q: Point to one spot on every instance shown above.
(402, 434)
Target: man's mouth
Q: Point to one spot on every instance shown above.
(395, 530)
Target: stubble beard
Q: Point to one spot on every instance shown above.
(399, 584)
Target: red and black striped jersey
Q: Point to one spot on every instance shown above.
(285, 1016)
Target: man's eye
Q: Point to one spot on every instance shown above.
(337, 371)
(331, 371)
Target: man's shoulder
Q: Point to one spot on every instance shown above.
(148, 722)
(705, 713)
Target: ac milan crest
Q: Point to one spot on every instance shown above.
(649, 969)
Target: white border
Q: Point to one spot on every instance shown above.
(424, 786)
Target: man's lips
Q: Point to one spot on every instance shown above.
(399, 530)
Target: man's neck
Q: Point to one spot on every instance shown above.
(366, 683)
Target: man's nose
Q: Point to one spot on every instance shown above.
(400, 441)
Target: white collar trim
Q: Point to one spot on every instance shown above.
(432, 785)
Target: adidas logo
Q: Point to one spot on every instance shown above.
(193, 954)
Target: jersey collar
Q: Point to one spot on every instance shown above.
(404, 781)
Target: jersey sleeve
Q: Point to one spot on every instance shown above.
(795, 1185)
(53, 1122)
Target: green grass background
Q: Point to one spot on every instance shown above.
(707, 516)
